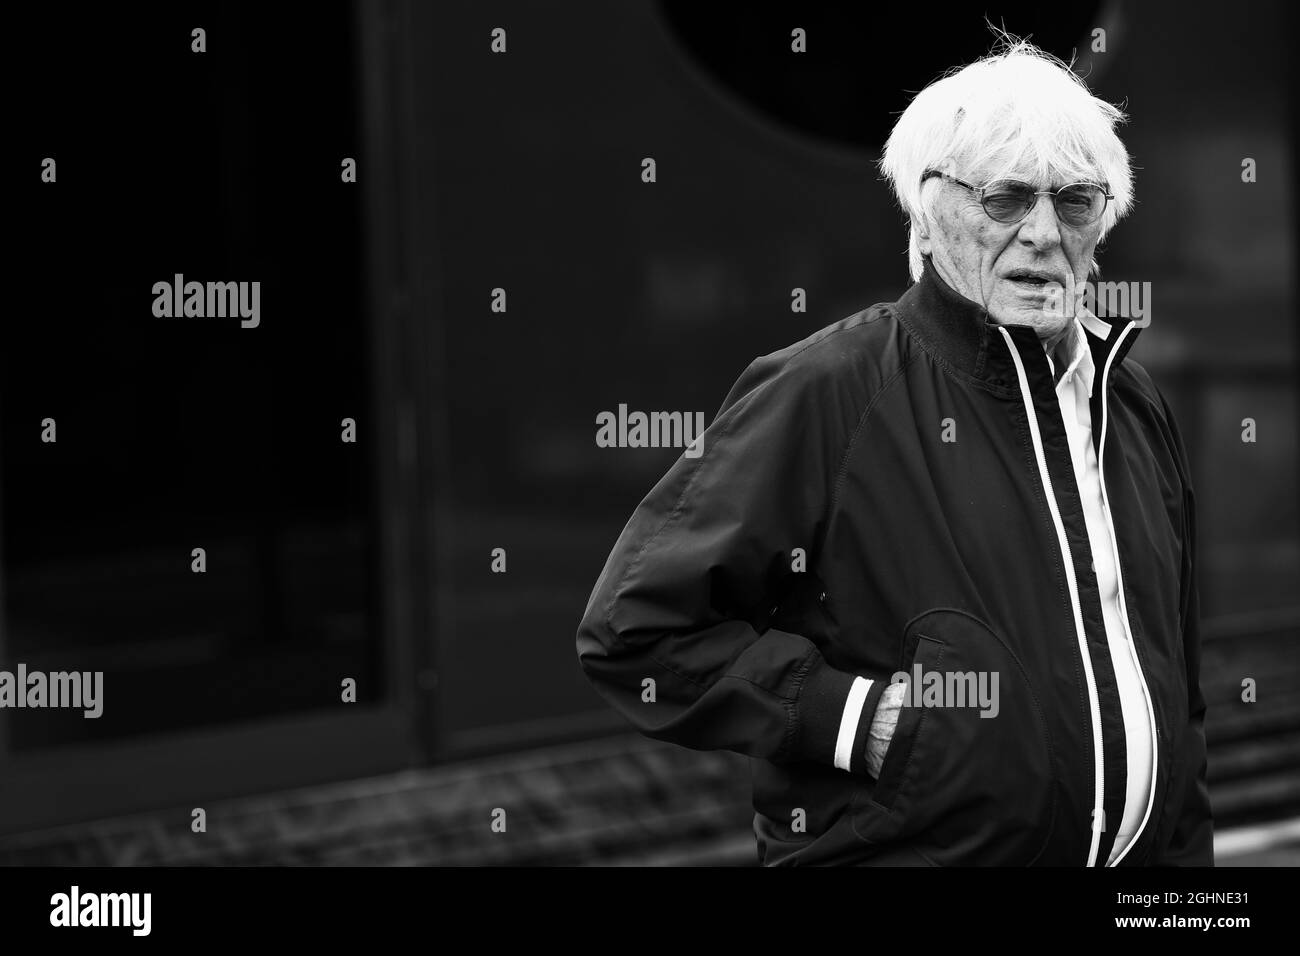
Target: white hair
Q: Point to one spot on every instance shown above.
(1018, 113)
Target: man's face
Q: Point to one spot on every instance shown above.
(988, 261)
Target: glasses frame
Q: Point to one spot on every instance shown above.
(1054, 193)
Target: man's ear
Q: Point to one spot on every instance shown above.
(920, 225)
(920, 221)
(922, 234)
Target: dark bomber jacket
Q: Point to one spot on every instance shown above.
(947, 554)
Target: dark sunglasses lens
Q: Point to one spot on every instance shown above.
(1007, 201)
(1080, 204)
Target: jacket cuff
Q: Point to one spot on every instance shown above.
(834, 712)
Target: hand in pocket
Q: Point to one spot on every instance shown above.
(882, 727)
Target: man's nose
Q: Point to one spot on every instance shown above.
(1040, 227)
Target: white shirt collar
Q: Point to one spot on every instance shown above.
(1080, 357)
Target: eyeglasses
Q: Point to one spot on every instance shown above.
(1009, 200)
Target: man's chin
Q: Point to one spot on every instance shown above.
(1038, 314)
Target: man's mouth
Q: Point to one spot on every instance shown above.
(1033, 278)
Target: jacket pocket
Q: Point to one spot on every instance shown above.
(969, 775)
(928, 655)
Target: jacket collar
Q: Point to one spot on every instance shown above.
(964, 339)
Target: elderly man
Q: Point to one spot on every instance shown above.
(934, 568)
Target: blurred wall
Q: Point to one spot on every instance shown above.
(520, 172)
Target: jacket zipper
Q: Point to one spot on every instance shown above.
(1094, 707)
(1123, 605)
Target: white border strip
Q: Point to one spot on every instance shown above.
(1123, 604)
(849, 722)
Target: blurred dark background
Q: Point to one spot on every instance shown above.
(371, 560)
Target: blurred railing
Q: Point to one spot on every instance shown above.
(1254, 747)
(625, 799)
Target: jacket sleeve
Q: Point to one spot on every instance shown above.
(677, 636)
(1192, 840)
